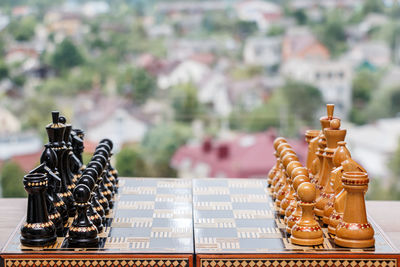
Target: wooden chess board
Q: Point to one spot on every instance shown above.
(200, 222)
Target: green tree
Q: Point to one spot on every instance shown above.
(300, 16)
(374, 6)
(66, 56)
(3, 70)
(332, 34)
(244, 29)
(259, 119)
(275, 30)
(364, 83)
(141, 84)
(160, 144)
(36, 113)
(303, 99)
(24, 29)
(11, 180)
(130, 163)
(185, 103)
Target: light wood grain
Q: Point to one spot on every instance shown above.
(385, 213)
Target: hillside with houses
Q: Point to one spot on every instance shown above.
(200, 88)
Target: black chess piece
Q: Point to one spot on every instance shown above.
(109, 180)
(76, 155)
(95, 200)
(82, 232)
(67, 156)
(97, 190)
(113, 171)
(105, 150)
(55, 132)
(38, 230)
(77, 143)
(49, 158)
(100, 160)
(52, 212)
(94, 216)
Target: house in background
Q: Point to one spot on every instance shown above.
(332, 78)
(375, 53)
(186, 71)
(262, 51)
(244, 156)
(263, 13)
(300, 43)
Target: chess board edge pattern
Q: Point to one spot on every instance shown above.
(290, 260)
(90, 260)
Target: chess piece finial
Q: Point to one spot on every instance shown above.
(329, 110)
(82, 232)
(307, 231)
(354, 230)
(38, 230)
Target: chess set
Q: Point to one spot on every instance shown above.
(298, 216)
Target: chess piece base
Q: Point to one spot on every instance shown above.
(38, 242)
(307, 242)
(84, 243)
(354, 243)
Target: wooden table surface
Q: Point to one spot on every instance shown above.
(385, 213)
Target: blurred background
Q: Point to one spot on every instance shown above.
(200, 88)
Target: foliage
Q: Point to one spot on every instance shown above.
(246, 72)
(139, 84)
(130, 163)
(160, 144)
(275, 30)
(3, 70)
(332, 34)
(11, 180)
(185, 103)
(244, 29)
(259, 119)
(75, 81)
(23, 29)
(384, 103)
(66, 56)
(364, 83)
(303, 100)
(300, 16)
(372, 6)
(36, 113)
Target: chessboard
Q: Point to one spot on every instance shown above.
(150, 225)
(235, 224)
(199, 222)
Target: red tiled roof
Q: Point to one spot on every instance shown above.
(28, 161)
(244, 161)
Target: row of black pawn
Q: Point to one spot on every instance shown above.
(50, 201)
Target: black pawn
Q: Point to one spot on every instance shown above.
(82, 232)
(94, 216)
(38, 230)
(104, 186)
(95, 200)
(100, 188)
